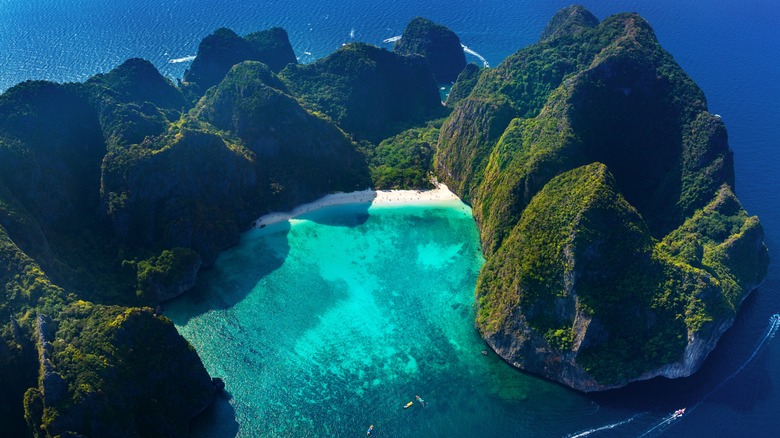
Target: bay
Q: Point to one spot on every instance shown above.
(728, 48)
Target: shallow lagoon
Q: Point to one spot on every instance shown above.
(326, 324)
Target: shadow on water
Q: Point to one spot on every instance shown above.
(219, 419)
(349, 215)
(259, 253)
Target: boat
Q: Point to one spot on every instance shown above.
(406, 406)
(678, 413)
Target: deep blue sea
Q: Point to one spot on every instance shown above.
(729, 48)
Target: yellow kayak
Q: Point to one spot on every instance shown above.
(408, 404)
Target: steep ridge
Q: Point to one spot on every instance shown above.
(551, 301)
(369, 92)
(603, 189)
(223, 49)
(437, 44)
(117, 191)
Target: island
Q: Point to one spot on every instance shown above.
(616, 249)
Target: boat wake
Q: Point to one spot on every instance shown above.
(184, 59)
(665, 421)
(607, 427)
(471, 52)
(774, 325)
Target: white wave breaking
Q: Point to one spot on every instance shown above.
(471, 52)
(184, 59)
(465, 49)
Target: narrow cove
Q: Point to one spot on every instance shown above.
(331, 322)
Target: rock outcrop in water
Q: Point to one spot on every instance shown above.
(603, 190)
(437, 44)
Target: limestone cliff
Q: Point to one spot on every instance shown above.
(603, 189)
(596, 176)
(367, 91)
(119, 190)
(223, 49)
(109, 369)
(437, 44)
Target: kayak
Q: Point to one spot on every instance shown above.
(408, 405)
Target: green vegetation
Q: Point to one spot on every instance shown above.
(437, 44)
(570, 20)
(605, 272)
(223, 49)
(404, 161)
(116, 191)
(369, 92)
(466, 81)
(273, 48)
(118, 377)
(166, 271)
(601, 185)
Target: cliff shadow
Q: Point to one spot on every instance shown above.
(234, 274)
(344, 215)
(217, 421)
(260, 252)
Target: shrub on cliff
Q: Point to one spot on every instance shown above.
(596, 282)
(369, 92)
(223, 49)
(437, 44)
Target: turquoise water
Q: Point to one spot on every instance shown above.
(728, 48)
(334, 322)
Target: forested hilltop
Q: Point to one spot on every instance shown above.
(616, 249)
(604, 193)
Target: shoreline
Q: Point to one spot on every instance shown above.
(374, 197)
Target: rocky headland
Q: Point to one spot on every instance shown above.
(616, 249)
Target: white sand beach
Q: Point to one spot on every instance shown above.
(375, 197)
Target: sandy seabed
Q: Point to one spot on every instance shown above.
(374, 197)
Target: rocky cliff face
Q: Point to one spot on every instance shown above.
(463, 85)
(186, 189)
(603, 189)
(119, 190)
(570, 20)
(109, 369)
(593, 195)
(437, 44)
(223, 49)
(198, 189)
(369, 92)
